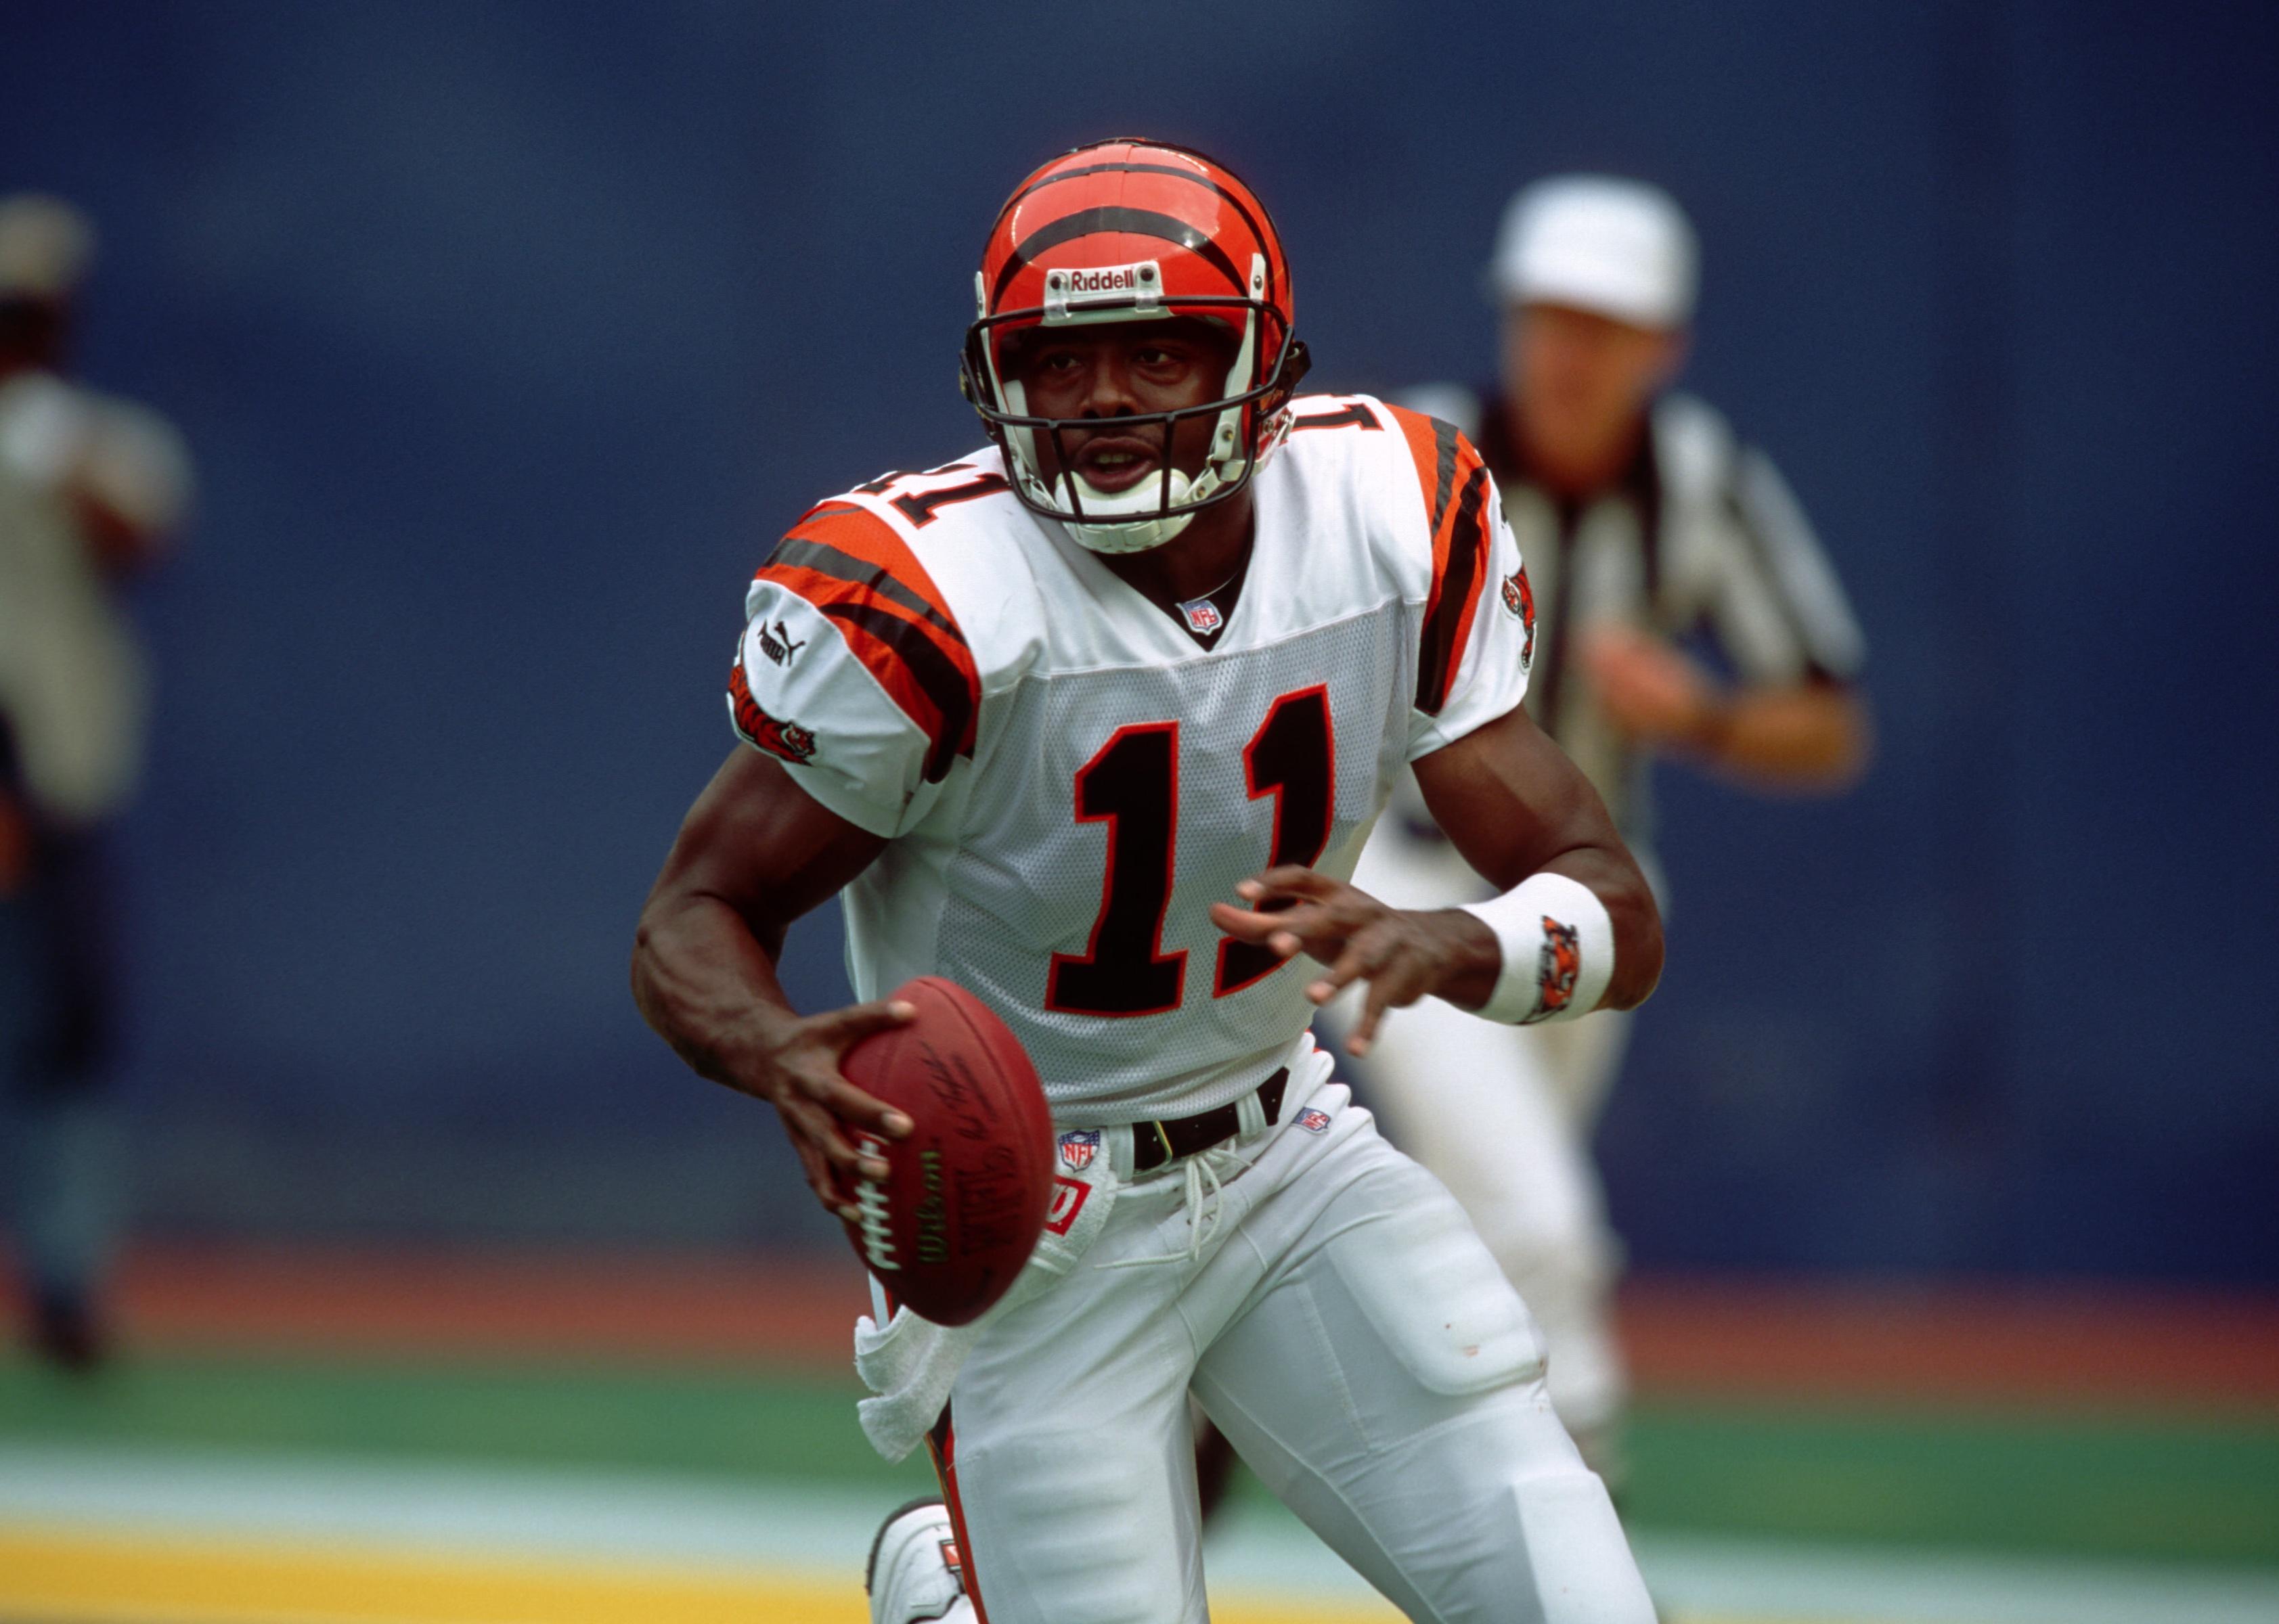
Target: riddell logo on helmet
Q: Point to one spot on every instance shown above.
(1138, 286)
(1110, 279)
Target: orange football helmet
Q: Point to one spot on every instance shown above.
(1130, 230)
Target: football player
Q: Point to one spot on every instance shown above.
(1094, 723)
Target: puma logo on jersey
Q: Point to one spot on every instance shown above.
(1558, 967)
(786, 740)
(779, 645)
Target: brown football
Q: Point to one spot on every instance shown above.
(964, 1196)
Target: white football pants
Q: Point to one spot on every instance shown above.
(1503, 1115)
(1337, 1317)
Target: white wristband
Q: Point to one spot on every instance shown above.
(1558, 950)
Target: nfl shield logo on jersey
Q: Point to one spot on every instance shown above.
(1313, 1121)
(1203, 617)
(1079, 1148)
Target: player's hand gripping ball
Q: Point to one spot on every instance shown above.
(965, 1194)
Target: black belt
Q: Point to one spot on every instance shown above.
(1154, 1144)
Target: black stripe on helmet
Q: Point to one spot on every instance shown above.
(1263, 237)
(1132, 222)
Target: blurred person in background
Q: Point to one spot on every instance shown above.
(1647, 529)
(89, 489)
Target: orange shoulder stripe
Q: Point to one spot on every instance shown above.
(852, 566)
(1456, 490)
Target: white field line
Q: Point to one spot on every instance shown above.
(722, 1525)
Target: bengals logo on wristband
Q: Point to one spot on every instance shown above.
(1558, 965)
(786, 740)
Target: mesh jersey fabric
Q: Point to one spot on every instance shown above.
(1382, 598)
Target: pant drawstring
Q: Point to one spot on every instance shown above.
(1204, 1201)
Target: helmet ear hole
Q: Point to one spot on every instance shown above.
(1300, 362)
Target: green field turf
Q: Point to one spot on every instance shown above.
(2201, 1489)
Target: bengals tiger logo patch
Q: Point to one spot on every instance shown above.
(1558, 965)
(1519, 602)
(786, 740)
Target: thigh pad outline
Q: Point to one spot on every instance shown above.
(1434, 1294)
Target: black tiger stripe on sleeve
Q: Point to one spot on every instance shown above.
(795, 551)
(1460, 568)
(1462, 533)
(859, 573)
(933, 669)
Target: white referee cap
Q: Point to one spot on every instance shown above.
(45, 245)
(1618, 248)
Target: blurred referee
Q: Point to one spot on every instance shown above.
(1648, 529)
(90, 488)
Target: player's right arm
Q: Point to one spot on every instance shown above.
(855, 690)
(755, 853)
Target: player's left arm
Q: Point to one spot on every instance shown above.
(1576, 928)
(1527, 819)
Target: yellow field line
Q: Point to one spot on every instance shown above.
(75, 1575)
(72, 1576)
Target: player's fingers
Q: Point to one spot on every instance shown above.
(857, 1110)
(1308, 928)
(1404, 980)
(821, 1128)
(1286, 881)
(816, 1168)
(1397, 980)
(817, 1074)
(1363, 953)
(1313, 931)
(1364, 1036)
(1244, 924)
(850, 1026)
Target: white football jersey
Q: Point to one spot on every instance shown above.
(1068, 778)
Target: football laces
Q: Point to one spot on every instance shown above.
(877, 1235)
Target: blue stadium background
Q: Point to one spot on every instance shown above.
(508, 334)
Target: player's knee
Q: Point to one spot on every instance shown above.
(1580, 1561)
(1085, 1532)
(1538, 1542)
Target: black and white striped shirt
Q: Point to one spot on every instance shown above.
(1702, 539)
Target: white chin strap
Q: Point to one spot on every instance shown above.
(1136, 538)
(1137, 535)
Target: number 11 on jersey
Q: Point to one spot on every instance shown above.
(1131, 784)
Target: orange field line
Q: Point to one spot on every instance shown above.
(1690, 1337)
